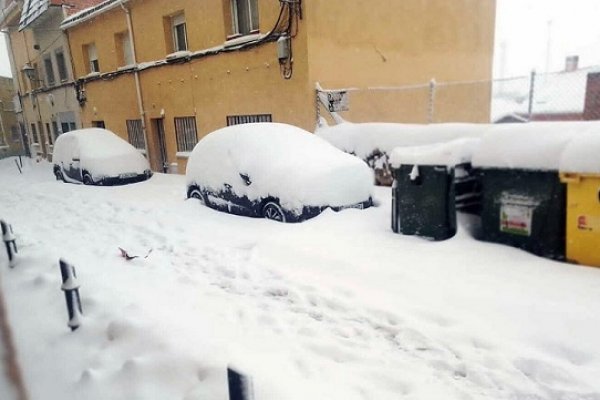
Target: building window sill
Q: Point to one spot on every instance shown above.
(183, 154)
(238, 39)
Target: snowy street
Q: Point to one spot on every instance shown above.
(337, 308)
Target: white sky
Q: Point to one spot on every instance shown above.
(522, 26)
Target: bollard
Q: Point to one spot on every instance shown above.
(10, 242)
(240, 386)
(71, 289)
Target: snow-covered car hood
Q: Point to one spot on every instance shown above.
(281, 161)
(101, 152)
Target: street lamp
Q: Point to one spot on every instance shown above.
(29, 71)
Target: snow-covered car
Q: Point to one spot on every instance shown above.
(97, 156)
(275, 171)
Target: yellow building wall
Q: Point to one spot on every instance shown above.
(209, 88)
(402, 43)
(392, 44)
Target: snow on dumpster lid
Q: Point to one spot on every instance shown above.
(365, 138)
(582, 154)
(449, 154)
(534, 145)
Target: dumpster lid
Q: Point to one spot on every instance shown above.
(533, 145)
(582, 154)
(363, 139)
(450, 154)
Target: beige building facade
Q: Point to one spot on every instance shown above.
(46, 101)
(164, 74)
(11, 140)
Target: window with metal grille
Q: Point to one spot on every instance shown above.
(34, 134)
(135, 133)
(185, 130)
(248, 119)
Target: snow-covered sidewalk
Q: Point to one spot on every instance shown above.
(337, 307)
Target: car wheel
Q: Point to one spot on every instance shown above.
(273, 211)
(195, 194)
(59, 176)
(87, 179)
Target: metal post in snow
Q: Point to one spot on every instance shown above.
(240, 386)
(71, 289)
(431, 101)
(10, 242)
(531, 93)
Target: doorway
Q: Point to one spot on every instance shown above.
(159, 148)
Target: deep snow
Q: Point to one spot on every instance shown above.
(337, 307)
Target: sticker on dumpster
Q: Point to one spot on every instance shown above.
(588, 223)
(516, 213)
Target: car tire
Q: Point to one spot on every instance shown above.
(195, 193)
(59, 176)
(273, 211)
(87, 179)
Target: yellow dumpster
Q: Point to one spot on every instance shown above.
(583, 218)
(580, 171)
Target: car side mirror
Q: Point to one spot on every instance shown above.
(246, 179)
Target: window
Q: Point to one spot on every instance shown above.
(244, 16)
(16, 137)
(124, 49)
(247, 119)
(55, 130)
(68, 126)
(34, 134)
(98, 124)
(50, 141)
(135, 133)
(92, 57)
(49, 71)
(185, 130)
(179, 32)
(62, 66)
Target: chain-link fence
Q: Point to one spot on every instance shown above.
(557, 96)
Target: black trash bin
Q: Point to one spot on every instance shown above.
(424, 198)
(423, 201)
(523, 198)
(525, 209)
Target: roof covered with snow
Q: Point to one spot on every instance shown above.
(90, 12)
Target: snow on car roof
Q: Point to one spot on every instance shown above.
(282, 161)
(534, 146)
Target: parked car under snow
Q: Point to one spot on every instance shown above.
(97, 156)
(275, 171)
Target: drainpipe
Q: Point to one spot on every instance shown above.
(136, 74)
